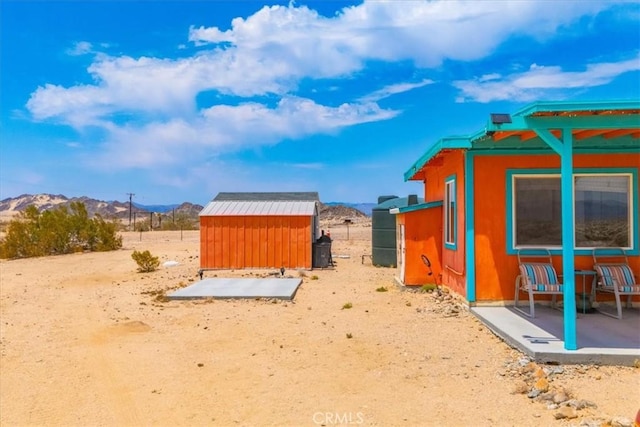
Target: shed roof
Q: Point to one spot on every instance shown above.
(259, 208)
(268, 196)
(595, 125)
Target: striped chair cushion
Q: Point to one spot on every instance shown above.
(619, 274)
(541, 277)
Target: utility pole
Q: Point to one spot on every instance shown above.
(130, 197)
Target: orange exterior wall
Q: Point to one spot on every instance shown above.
(427, 225)
(495, 270)
(423, 235)
(452, 260)
(228, 242)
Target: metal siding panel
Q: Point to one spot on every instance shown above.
(234, 244)
(217, 243)
(248, 242)
(255, 242)
(270, 243)
(263, 242)
(225, 242)
(277, 244)
(286, 253)
(204, 253)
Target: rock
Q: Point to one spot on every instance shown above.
(533, 394)
(591, 423)
(566, 412)
(524, 361)
(555, 370)
(621, 422)
(520, 387)
(560, 397)
(528, 368)
(581, 404)
(542, 385)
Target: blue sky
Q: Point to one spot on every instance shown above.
(177, 101)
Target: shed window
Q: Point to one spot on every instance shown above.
(602, 210)
(450, 213)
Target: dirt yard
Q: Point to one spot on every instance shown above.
(87, 340)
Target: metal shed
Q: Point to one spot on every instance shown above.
(259, 230)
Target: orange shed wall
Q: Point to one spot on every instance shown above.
(228, 242)
(423, 235)
(495, 270)
(453, 260)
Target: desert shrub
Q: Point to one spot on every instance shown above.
(181, 221)
(347, 306)
(429, 287)
(146, 262)
(58, 231)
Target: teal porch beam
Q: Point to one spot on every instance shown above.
(565, 149)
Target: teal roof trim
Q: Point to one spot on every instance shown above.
(529, 118)
(453, 142)
(418, 207)
(520, 123)
(558, 106)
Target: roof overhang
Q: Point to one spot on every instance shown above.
(444, 144)
(596, 125)
(413, 208)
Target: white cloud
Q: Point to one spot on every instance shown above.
(222, 128)
(394, 89)
(540, 81)
(80, 48)
(147, 110)
(425, 32)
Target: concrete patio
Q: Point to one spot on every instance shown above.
(601, 339)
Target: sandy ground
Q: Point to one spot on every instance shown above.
(86, 340)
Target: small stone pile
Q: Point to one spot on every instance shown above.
(445, 304)
(537, 382)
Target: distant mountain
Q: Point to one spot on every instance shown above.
(107, 209)
(334, 211)
(155, 208)
(365, 208)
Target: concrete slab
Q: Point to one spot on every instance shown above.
(239, 288)
(601, 340)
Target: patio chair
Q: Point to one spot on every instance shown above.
(614, 276)
(537, 277)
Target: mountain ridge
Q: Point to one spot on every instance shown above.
(116, 209)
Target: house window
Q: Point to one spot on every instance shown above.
(602, 210)
(450, 212)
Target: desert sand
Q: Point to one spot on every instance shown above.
(86, 340)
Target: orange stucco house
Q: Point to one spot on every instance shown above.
(556, 175)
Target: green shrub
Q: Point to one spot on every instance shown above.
(382, 289)
(58, 231)
(347, 306)
(429, 287)
(146, 262)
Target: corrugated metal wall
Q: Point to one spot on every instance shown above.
(228, 242)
